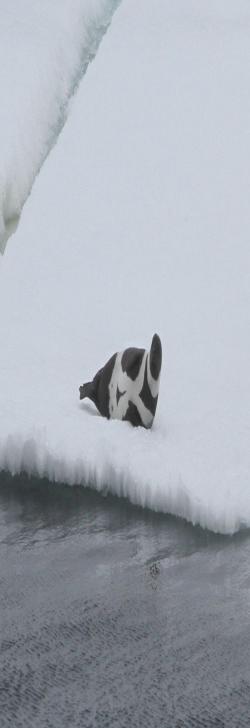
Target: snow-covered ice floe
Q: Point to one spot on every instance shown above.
(139, 222)
(44, 49)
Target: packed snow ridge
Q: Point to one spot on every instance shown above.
(45, 48)
(138, 222)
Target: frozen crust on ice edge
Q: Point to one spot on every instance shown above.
(34, 458)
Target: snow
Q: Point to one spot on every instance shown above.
(44, 49)
(139, 222)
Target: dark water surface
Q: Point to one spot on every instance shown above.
(112, 616)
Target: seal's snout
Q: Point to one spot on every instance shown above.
(86, 390)
(82, 391)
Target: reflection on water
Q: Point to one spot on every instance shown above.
(115, 616)
(33, 505)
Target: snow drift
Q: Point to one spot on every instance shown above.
(139, 222)
(44, 49)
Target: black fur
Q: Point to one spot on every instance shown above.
(132, 415)
(98, 389)
(155, 356)
(131, 362)
(146, 396)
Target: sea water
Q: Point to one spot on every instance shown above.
(114, 616)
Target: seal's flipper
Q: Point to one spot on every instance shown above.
(155, 358)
